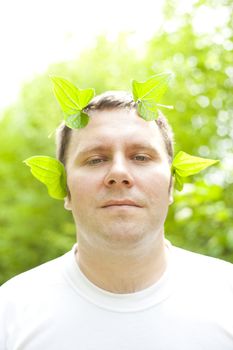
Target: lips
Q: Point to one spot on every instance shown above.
(119, 202)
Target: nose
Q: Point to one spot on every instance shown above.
(119, 174)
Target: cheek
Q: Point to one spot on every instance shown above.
(82, 187)
(156, 184)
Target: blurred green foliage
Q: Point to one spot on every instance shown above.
(36, 228)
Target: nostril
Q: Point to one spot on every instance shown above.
(111, 182)
(125, 182)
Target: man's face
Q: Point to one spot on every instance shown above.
(118, 176)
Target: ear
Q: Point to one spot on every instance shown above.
(67, 203)
(171, 199)
(171, 188)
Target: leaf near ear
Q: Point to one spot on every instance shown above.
(179, 182)
(50, 172)
(186, 165)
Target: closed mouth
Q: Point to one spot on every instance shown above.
(123, 203)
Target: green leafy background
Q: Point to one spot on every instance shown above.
(35, 228)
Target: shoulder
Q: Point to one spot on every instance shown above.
(205, 260)
(39, 278)
(206, 269)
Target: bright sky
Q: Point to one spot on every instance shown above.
(34, 34)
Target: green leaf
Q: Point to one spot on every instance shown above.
(148, 93)
(179, 182)
(50, 172)
(77, 121)
(71, 99)
(153, 88)
(185, 165)
(148, 110)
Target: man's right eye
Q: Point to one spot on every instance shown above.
(95, 161)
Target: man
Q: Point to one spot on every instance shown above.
(123, 286)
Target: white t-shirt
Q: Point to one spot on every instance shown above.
(55, 307)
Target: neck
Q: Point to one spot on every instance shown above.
(123, 269)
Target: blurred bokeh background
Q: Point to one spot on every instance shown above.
(105, 45)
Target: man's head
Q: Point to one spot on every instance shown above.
(111, 100)
(118, 172)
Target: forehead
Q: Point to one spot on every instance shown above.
(116, 128)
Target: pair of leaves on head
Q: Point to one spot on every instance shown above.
(51, 172)
(147, 94)
(73, 100)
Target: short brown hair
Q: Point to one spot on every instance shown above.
(107, 101)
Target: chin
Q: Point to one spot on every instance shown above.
(128, 234)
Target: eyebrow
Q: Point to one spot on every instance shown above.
(92, 149)
(103, 148)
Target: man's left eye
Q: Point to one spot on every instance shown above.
(141, 158)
